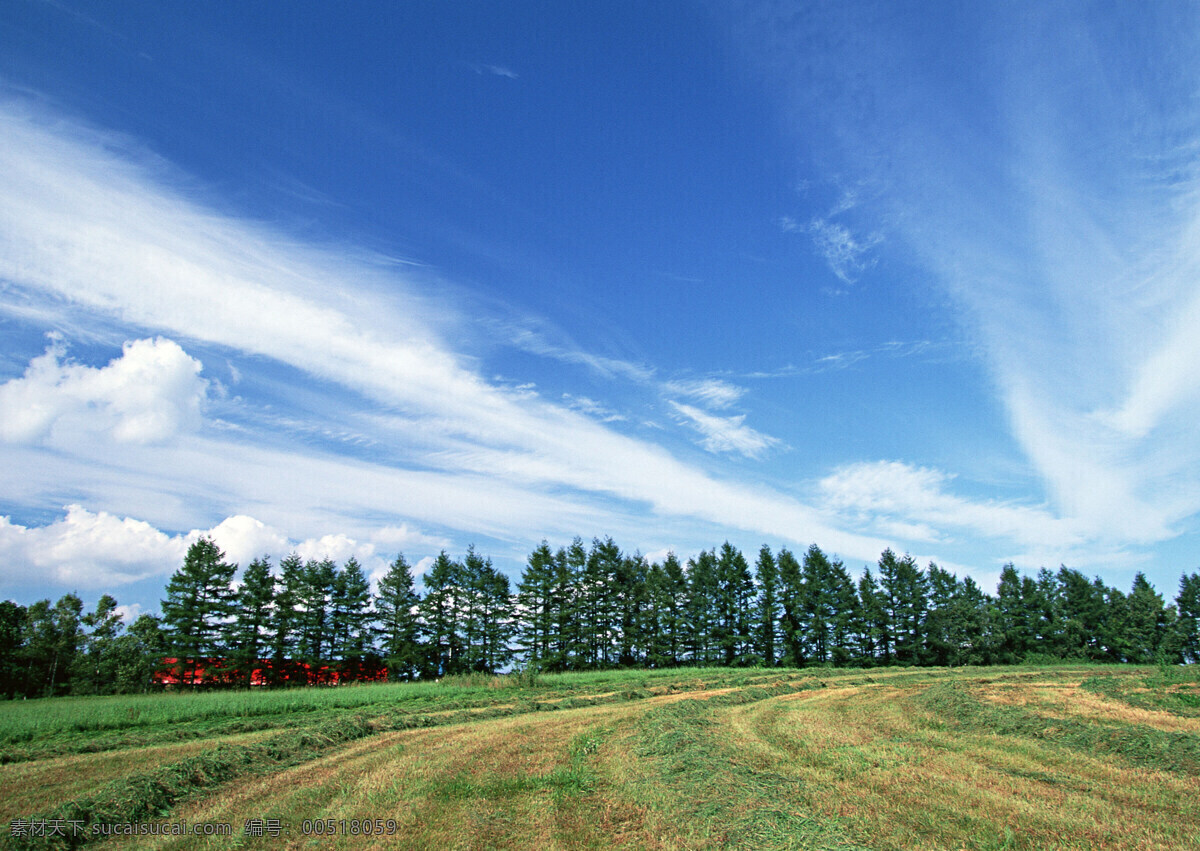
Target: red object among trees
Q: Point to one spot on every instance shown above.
(219, 673)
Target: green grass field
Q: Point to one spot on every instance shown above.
(1038, 757)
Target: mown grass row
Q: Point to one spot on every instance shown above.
(1169, 689)
(142, 797)
(31, 730)
(149, 794)
(722, 802)
(1140, 745)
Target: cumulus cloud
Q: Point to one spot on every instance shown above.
(243, 538)
(88, 550)
(149, 394)
(97, 551)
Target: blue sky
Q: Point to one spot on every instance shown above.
(360, 279)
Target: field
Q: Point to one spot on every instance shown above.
(986, 758)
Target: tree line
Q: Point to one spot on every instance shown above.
(579, 608)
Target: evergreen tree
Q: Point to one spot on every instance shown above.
(535, 598)
(816, 605)
(199, 602)
(654, 621)
(399, 628)
(969, 624)
(1187, 626)
(252, 619)
(629, 598)
(847, 615)
(569, 600)
(495, 619)
(674, 591)
(316, 627)
(701, 608)
(767, 574)
(791, 600)
(1081, 610)
(941, 635)
(1145, 624)
(1011, 637)
(440, 615)
(350, 617)
(875, 637)
(287, 623)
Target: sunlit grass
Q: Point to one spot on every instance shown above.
(1058, 757)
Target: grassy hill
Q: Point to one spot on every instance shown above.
(1051, 757)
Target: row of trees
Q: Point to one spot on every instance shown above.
(581, 607)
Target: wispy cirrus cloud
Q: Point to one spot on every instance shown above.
(712, 392)
(95, 235)
(725, 433)
(843, 251)
(1052, 194)
(494, 70)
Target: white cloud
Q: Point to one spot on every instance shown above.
(243, 539)
(713, 392)
(592, 407)
(78, 223)
(914, 503)
(841, 249)
(101, 552)
(149, 394)
(494, 70)
(726, 434)
(90, 551)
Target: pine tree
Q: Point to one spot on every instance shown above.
(767, 574)
(701, 608)
(252, 619)
(816, 605)
(399, 629)
(535, 594)
(440, 615)
(1081, 609)
(941, 640)
(350, 617)
(316, 633)
(674, 620)
(198, 604)
(287, 623)
(570, 600)
(847, 615)
(875, 636)
(1145, 624)
(1011, 630)
(1188, 624)
(654, 620)
(629, 598)
(791, 600)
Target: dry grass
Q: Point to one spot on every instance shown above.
(32, 787)
(862, 759)
(1061, 700)
(899, 779)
